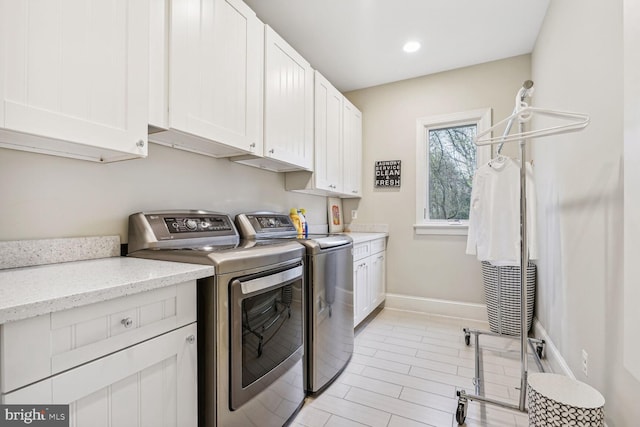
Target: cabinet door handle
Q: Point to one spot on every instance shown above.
(127, 322)
(252, 145)
(272, 151)
(191, 339)
(140, 143)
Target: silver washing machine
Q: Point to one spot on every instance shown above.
(329, 314)
(250, 314)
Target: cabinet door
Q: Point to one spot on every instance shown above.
(288, 113)
(149, 384)
(378, 279)
(352, 142)
(361, 290)
(216, 57)
(328, 136)
(159, 18)
(73, 77)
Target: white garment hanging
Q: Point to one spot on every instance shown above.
(494, 214)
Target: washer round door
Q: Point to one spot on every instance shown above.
(266, 321)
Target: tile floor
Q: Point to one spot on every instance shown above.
(405, 370)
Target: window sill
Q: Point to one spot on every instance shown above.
(446, 229)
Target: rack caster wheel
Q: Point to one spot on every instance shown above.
(540, 350)
(460, 417)
(461, 410)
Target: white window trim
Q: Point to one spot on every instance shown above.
(481, 118)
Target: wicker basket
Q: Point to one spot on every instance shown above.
(502, 291)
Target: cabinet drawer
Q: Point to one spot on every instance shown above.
(377, 245)
(72, 337)
(361, 250)
(153, 383)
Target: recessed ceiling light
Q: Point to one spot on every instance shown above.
(411, 46)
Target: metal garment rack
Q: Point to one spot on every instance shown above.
(523, 114)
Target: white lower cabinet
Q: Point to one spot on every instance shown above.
(150, 383)
(361, 289)
(369, 277)
(378, 278)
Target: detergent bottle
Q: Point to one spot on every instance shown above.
(303, 219)
(297, 222)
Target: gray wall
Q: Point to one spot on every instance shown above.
(430, 266)
(577, 65)
(631, 192)
(44, 196)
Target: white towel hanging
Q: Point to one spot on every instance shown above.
(494, 214)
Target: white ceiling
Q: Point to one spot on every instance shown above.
(358, 43)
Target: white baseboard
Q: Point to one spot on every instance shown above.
(552, 355)
(438, 307)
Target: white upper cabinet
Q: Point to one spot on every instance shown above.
(211, 101)
(352, 151)
(73, 77)
(288, 104)
(338, 147)
(328, 136)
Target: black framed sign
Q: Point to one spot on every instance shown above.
(387, 173)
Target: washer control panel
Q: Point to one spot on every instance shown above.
(180, 229)
(265, 225)
(272, 222)
(191, 224)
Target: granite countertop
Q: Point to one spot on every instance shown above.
(359, 237)
(32, 291)
(81, 271)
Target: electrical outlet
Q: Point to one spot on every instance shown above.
(585, 363)
(354, 214)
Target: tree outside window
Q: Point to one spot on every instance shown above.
(452, 163)
(446, 160)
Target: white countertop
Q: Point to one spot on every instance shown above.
(365, 237)
(32, 291)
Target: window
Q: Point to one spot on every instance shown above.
(446, 161)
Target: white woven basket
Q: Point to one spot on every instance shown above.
(502, 292)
